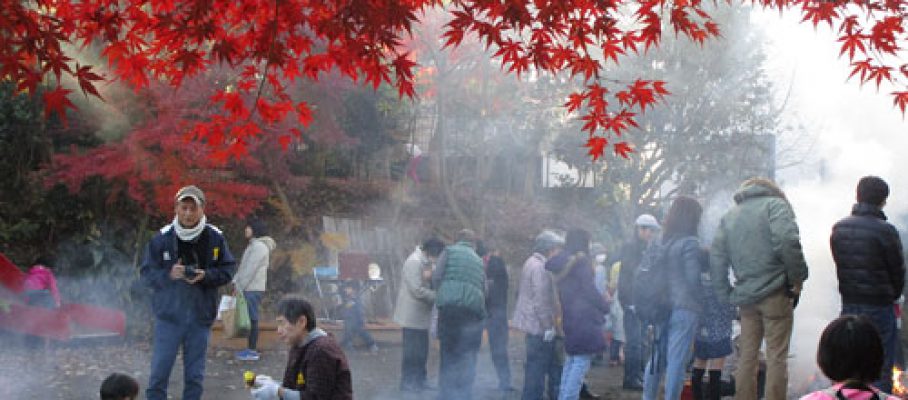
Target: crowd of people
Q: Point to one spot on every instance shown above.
(663, 306)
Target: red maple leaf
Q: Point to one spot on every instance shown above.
(623, 149)
(900, 100)
(56, 102)
(596, 145)
(575, 101)
(863, 68)
(303, 113)
(852, 42)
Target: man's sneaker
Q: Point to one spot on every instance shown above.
(247, 355)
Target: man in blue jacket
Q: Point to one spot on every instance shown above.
(184, 264)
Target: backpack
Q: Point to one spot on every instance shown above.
(651, 290)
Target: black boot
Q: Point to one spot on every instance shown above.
(714, 387)
(696, 383)
(585, 393)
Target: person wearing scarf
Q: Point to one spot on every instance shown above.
(184, 264)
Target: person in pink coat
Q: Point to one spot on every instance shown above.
(850, 354)
(40, 285)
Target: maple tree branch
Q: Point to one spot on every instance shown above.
(258, 94)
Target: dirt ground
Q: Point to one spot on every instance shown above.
(75, 371)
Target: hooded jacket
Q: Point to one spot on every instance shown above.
(759, 240)
(176, 300)
(41, 278)
(317, 369)
(252, 274)
(583, 308)
(868, 257)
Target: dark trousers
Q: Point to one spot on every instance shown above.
(415, 357)
(168, 338)
(633, 349)
(460, 336)
(542, 363)
(497, 327)
(883, 318)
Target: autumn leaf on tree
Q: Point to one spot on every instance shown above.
(596, 145)
(56, 102)
(900, 100)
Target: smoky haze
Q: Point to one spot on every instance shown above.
(857, 132)
(848, 132)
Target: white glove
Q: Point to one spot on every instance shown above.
(548, 335)
(266, 388)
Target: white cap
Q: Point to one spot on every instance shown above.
(647, 221)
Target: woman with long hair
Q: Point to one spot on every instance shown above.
(684, 260)
(582, 307)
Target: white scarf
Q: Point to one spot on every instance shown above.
(188, 234)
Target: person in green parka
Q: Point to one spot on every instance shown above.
(759, 240)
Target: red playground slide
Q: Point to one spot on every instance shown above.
(71, 321)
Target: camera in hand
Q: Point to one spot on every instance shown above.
(191, 271)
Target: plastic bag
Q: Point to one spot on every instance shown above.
(241, 323)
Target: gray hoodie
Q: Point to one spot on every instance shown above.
(252, 274)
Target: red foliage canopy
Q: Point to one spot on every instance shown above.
(274, 43)
(151, 163)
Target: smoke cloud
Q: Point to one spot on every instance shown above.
(858, 132)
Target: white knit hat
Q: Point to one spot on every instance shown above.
(647, 221)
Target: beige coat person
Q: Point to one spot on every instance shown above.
(415, 297)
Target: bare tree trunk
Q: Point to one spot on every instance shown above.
(291, 220)
(444, 175)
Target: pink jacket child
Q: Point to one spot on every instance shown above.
(41, 278)
(848, 393)
(850, 354)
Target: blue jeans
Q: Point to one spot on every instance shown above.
(542, 362)
(673, 353)
(575, 368)
(355, 327)
(168, 338)
(883, 318)
(253, 300)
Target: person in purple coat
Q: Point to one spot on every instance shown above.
(582, 307)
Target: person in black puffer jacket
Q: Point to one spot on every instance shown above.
(870, 266)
